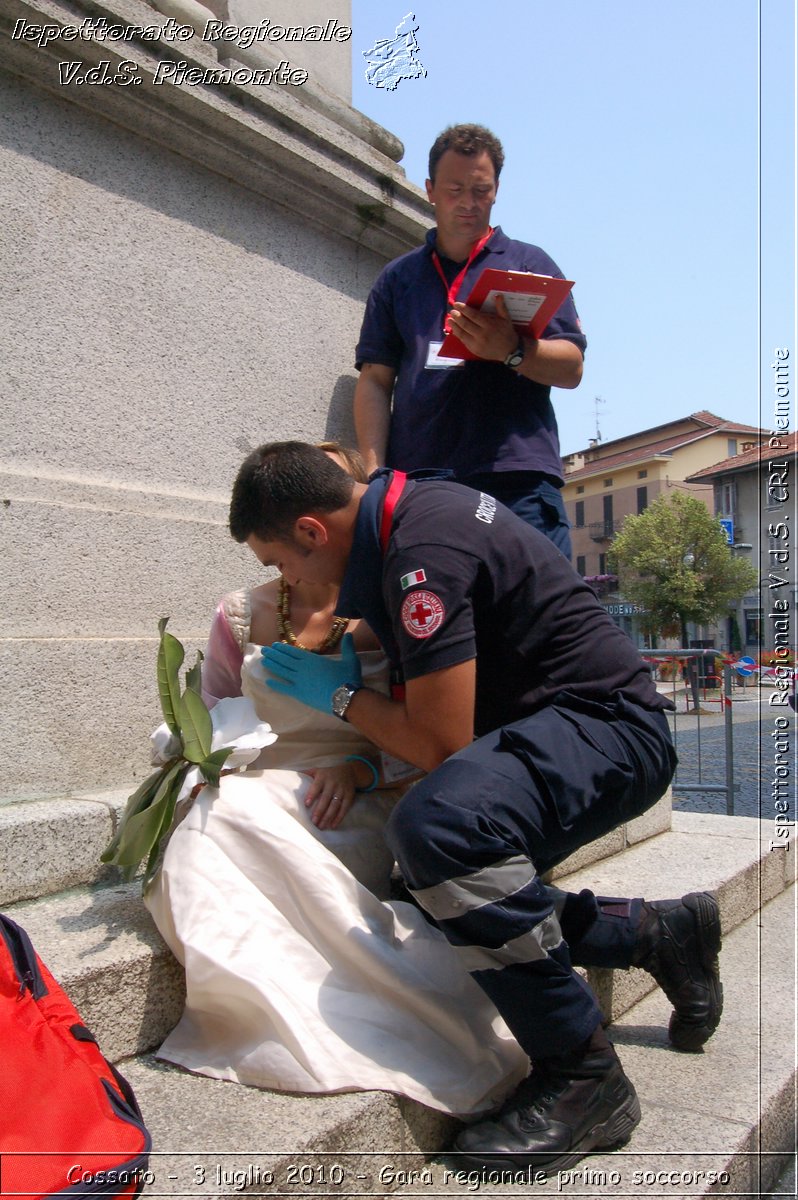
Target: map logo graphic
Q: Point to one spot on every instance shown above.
(390, 60)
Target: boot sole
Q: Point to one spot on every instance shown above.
(611, 1135)
(706, 913)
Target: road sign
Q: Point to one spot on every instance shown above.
(745, 665)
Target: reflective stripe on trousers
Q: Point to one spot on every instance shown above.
(494, 885)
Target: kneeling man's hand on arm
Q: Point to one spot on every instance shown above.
(312, 678)
(435, 719)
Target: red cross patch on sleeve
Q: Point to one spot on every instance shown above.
(422, 614)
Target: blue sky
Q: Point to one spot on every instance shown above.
(633, 134)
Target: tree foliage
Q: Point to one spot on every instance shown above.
(674, 561)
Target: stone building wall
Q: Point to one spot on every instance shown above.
(182, 275)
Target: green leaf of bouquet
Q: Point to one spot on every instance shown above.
(142, 831)
(211, 767)
(135, 803)
(170, 800)
(149, 869)
(170, 660)
(139, 837)
(194, 676)
(195, 725)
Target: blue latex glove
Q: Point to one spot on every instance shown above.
(311, 678)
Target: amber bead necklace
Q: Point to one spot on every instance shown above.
(331, 638)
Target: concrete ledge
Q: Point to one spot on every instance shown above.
(761, 831)
(47, 846)
(702, 852)
(50, 845)
(656, 820)
(130, 989)
(276, 1132)
(729, 1109)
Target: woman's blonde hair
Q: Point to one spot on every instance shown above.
(352, 461)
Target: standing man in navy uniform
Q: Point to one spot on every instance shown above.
(491, 422)
(498, 638)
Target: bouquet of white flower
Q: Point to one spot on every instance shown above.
(191, 747)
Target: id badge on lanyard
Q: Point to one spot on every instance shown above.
(434, 361)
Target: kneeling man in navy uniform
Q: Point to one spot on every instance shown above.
(539, 728)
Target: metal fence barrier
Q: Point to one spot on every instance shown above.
(695, 672)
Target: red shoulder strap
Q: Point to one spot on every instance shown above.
(397, 486)
(395, 489)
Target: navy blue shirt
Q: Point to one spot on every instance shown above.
(464, 578)
(473, 418)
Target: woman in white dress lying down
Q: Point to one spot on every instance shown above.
(300, 974)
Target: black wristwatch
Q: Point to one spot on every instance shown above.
(342, 698)
(515, 359)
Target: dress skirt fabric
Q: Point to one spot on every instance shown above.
(300, 974)
(299, 978)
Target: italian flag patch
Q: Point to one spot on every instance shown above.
(412, 579)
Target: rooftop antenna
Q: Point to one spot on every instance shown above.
(597, 401)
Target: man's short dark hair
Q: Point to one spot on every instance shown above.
(280, 482)
(466, 139)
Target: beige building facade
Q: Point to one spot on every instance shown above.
(611, 480)
(755, 494)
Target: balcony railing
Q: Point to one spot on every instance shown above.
(603, 531)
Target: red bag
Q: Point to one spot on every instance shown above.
(69, 1123)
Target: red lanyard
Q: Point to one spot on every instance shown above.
(397, 486)
(453, 288)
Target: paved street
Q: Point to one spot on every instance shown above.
(753, 726)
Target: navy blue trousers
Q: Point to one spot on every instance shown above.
(473, 838)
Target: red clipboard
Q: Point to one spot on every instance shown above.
(532, 299)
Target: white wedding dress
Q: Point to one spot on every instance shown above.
(298, 976)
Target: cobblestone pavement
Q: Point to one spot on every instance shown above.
(753, 724)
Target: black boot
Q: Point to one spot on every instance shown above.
(678, 944)
(564, 1110)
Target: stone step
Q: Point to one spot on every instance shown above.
(101, 944)
(47, 846)
(728, 1110)
(730, 856)
(658, 819)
